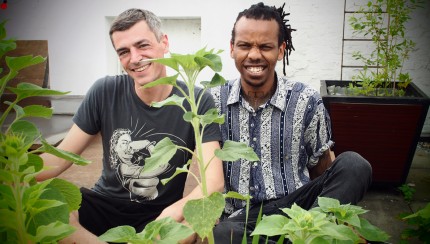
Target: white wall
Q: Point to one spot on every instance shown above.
(80, 51)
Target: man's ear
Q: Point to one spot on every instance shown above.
(231, 48)
(165, 41)
(281, 51)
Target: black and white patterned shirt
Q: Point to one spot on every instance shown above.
(288, 133)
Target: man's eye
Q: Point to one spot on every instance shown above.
(143, 46)
(122, 53)
(266, 48)
(243, 46)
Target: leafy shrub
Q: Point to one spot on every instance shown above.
(30, 212)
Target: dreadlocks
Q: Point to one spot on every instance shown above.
(261, 11)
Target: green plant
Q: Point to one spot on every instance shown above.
(200, 214)
(421, 221)
(407, 192)
(331, 222)
(30, 212)
(383, 21)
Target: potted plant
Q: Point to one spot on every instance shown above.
(380, 113)
(30, 212)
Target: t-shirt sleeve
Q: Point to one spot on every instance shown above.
(88, 116)
(212, 131)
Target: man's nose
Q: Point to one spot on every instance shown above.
(135, 55)
(254, 53)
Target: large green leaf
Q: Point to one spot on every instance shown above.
(333, 231)
(119, 234)
(272, 225)
(203, 62)
(233, 151)
(19, 111)
(173, 232)
(43, 204)
(215, 61)
(53, 232)
(56, 213)
(423, 213)
(184, 169)
(24, 90)
(212, 116)
(37, 111)
(6, 46)
(6, 176)
(33, 193)
(189, 116)
(217, 80)
(186, 61)
(168, 80)
(26, 129)
(169, 62)
(163, 151)
(346, 213)
(371, 232)
(35, 161)
(18, 63)
(70, 192)
(162, 231)
(203, 213)
(172, 100)
(8, 219)
(63, 154)
(236, 195)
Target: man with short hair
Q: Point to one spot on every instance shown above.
(118, 109)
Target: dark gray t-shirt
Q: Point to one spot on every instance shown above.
(130, 129)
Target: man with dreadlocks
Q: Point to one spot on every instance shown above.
(286, 124)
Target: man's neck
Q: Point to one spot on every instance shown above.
(153, 94)
(258, 97)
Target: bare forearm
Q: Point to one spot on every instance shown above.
(324, 163)
(54, 166)
(75, 142)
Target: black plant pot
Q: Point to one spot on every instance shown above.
(384, 130)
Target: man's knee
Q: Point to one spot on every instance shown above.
(228, 232)
(355, 164)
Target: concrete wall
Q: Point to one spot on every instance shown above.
(80, 51)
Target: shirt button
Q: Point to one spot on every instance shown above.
(255, 164)
(254, 139)
(251, 188)
(254, 114)
(252, 125)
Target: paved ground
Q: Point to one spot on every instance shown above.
(384, 204)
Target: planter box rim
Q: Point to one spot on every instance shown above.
(420, 96)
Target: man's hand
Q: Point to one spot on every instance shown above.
(174, 211)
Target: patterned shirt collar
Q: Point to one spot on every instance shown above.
(277, 100)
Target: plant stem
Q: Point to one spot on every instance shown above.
(17, 192)
(197, 136)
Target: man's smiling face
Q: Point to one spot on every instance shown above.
(256, 51)
(137, 44)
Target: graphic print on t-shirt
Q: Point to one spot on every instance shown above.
(128, 150)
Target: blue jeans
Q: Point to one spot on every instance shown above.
(347, 180)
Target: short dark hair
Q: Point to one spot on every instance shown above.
(130, 17)
(260, 11)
